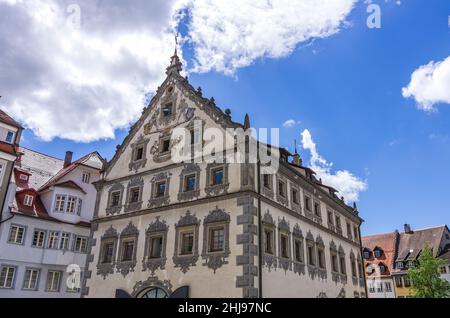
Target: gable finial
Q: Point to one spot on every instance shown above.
(175, 63)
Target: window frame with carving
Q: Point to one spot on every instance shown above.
(129, 234)
(156, 229)
(188, 223)
(155, 199)
(211, 188)
(110, 209)
(106, 268)
(135, 183)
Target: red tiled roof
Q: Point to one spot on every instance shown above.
(386, 242)
(4, 117)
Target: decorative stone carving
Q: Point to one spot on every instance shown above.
(137, 164)
(189, 168)
(270, 260)
(136, 182)
(130, 232)
(141, 286)
(104, 269)
(163, 200)
(268, 192)
(111, 210)
(215, 190)
(322, 295)
(157, 228)
(215, 260)
(184, 262)
(299, 267)
(341, 293)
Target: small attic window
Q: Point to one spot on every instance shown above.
(28, 200)
(167, 109)
(23, 177)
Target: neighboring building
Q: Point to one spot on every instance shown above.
(379, 255)
(47, 225)
(410, 245)
(167, 228)
(397, 253)
(10, 133)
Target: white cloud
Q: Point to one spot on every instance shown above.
(348, 185)
(227, 35)
(82, 84)
(290, 123)
(430, 85)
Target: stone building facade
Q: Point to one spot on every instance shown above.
(165, 228)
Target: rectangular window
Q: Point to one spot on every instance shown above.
(334, 263)
(156, 243)
(128, 251)
(38, 238)
(406, 281)
(80, 244)
(308, 203)
(342, 265)
(379, 287)
(398, 281)
(160, 189)
(187, 243)
(349, 231)
(53, 281)
(317, 209)
(267, 183)
(311, 258)
(30, 279)
(86, 177)
(64, 243)
(115, 199)
(60, 203)
(321, 258)
(189, 184)
(355, 232)
(388, 286)
(443, 270)
(134, 195)
(295, 196)
(28, 200)
(269, 241)
(371, 288)
(167, 109)
(7, 274)
(284, 246)
(108, 253)
(366, 255)
(16, 234)
(71, 201)
(79, 206)
(353, 264)
(217, 175)
(9, 137)
(53, 240)
(165, 145)
(400, 265)
(216, 239)
(338, 223)
(330, 218)
(298, 249)
(23, 177)
(281, 190)
(139, 154)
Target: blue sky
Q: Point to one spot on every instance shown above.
(346, 90)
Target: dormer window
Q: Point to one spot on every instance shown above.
(378, 253)
(366, 254)
(399, 265)
(28, 200)
(382, 268)
(23, 177)
(9, 137)
(167, 109)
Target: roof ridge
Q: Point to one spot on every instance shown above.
(426, 228)
(41, 153)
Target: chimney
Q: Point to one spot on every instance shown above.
(408, 229)
(68, 158)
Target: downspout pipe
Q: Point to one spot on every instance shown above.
(260, 241)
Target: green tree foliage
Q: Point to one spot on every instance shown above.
(426, 279)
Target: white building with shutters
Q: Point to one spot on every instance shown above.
(45, 226)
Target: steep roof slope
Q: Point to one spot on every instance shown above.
(411, 244)
(385, 242)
